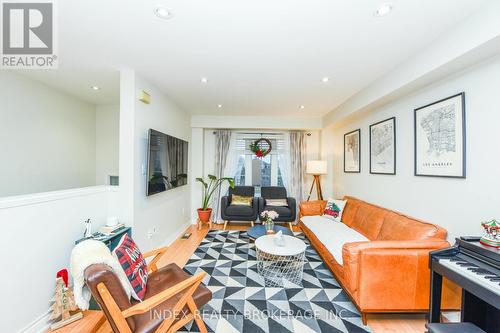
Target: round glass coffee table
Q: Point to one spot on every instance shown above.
(280, 264)
(260, 230)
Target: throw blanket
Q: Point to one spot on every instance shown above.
(87, 253)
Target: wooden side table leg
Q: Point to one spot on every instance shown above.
(225, 225)
(199, 224)
(210, 225)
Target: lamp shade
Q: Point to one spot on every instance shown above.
(316, 167)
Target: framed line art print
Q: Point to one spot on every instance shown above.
(383, 147)
(352, 151)
(440, 138)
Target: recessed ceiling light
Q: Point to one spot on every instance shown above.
(95, 87)
(204, 80)
(302, 106)
(325, 79)
(219, 106)
(383, 9)
(163, 13)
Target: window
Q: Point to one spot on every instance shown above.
(255, 171)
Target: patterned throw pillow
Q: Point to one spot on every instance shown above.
(134, 265)
(334, 208)
(240, 200)
(276, 202)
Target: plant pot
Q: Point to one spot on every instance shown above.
(204, 215)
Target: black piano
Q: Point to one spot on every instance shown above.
(476, 269)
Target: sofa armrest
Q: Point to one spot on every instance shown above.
(261, 204)
(255, 206)
(389, 274)
(292, 203)
(315, 207)
(224, 202)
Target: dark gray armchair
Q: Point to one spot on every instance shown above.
(286, 214)
(231, 213)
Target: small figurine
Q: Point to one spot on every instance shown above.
(64, 302)
(88, 229)
(491, 235)
(279, 239)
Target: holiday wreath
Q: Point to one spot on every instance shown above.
(261, 147)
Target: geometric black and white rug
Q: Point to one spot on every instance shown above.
(241, 303)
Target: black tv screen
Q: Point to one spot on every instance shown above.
(167, 162)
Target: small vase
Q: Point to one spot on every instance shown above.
(270, 226)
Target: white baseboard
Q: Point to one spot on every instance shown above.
(178, 233)
(39, 325)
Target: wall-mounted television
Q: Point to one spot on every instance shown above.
(167, 162)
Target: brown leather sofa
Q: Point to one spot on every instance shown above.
(390, 271)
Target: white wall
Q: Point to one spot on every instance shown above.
(167, 212)
(458, 205)
(47, 138)
(39, 232)
(49, 141)
(107, 125)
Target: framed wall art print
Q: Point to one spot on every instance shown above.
(383, 147)
(352, 151)
(440, 138)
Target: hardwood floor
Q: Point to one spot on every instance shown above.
(180, 251)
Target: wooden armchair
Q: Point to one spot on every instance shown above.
(173, 298)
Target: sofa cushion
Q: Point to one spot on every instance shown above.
(239, 210)
(350, 210)
(332, 235)
(134, 265)
(276, 202)
(369, 220)
(282, 211)
(159, 281)
(333, 209)
(401, 227)
(240, 200)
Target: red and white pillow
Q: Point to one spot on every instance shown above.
(130, 258)
(334, 209)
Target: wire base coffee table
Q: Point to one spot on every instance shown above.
(280, 264)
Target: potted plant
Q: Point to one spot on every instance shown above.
(209, 188)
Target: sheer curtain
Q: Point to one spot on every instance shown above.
(284, 163)
(296, 155)
(226, 161)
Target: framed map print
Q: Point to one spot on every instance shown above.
(352, 158)
(440, 138)
(383, 147)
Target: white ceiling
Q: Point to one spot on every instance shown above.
(262, 57)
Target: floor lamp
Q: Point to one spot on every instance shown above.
(316, 168)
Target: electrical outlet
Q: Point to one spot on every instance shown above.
(151, 232)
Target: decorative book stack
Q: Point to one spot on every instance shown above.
(108, 230)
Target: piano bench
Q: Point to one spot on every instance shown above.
(453, 328)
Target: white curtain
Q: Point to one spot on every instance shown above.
(296, 146)
(222, 155)
(284, 163)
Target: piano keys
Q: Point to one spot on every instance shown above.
(476, 269)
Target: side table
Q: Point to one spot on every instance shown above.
(280, 264)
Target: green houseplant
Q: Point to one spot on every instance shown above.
(209, 188)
